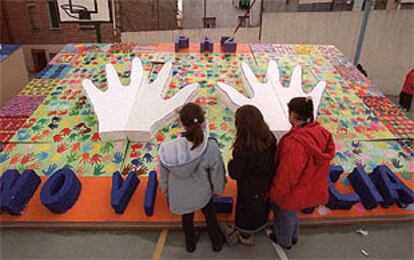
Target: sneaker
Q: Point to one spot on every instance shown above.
(294, 241)
(191, 245)
(249, 241)
(231, 235)
(219, 246)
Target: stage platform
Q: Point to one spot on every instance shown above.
(51, 125)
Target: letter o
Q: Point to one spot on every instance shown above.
(61, 191)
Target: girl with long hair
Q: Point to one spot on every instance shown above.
(191, 172)
(253, 167)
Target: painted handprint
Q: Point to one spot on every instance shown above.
(137, 110)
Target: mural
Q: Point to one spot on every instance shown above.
(55, 125)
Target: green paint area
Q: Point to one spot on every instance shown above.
(63, 130)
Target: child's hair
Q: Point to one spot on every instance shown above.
(303, 108)
(253, 134)
(192, 117)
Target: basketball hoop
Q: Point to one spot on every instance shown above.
(92, 12)
(84, 11)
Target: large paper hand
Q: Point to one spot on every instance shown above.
(137, 110)
(295, 87)
(151, 111)
(271, 98)
(112, 107)
(261, 95)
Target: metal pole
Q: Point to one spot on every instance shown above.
(247, 12)
(368, 5)
(261, 19)
(114, 17)
(158, 14)
(205, 10)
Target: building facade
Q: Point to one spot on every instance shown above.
(229, 13)
(35, 24)
(144, 15)
(219, 14)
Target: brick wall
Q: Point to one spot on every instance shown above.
(142, 15)
(23, 34)
(6, 36)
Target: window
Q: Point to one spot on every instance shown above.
(209, 22)
(380, 4)
(244, 4)
(342, 5)
(33, 17)
(244, 21)
(53, 14)
(315, 7)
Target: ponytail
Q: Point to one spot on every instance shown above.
(303, 108)
(309, 109)
(192, 118)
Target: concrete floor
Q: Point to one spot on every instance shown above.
(386, 241)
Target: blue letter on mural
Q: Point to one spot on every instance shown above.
(391, 187)
(122, 191)
(366, 190)
(151, 193)
(338, 200)
(16, 190)
(61, 191)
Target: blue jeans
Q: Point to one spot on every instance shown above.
(285, 226)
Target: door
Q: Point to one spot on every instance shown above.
(39, 60)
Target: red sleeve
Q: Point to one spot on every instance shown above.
(409, 84)
(291, 162)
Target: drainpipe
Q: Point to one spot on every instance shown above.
(261, 20)
(368, 5)
(158, 15)
(205, 11)
(114, 30)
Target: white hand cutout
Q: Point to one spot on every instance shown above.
(271, 98)
(125, 111)
(295, 87)
(151, 111)
(112, 107)
(261, 95)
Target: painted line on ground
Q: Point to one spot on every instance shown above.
(159, 247)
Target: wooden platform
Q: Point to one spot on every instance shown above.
(93, 211)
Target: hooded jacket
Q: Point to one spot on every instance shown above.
(190, 177)
(408, 86)
(303, 160)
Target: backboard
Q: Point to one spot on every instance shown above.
(84, 11)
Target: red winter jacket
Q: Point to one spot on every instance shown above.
(303, 160)
(409, 83)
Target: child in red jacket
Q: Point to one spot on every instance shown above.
(301, 180)
(407, 92)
